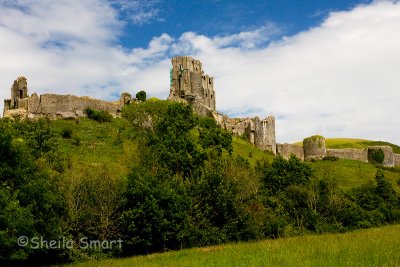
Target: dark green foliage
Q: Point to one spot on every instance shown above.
(330, 158)
(377, 155)
(141, 95)
(98, 115)
(29, 199)
(379, 199)
(282, 173)
(67, 132)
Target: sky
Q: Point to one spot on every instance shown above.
(320, 67)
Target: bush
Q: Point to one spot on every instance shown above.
(76, 141)
(141, 96)
(66, 132)
(98, 115)
(378, 156)
(330, 158)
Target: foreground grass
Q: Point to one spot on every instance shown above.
(372, 247)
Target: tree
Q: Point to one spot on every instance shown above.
(141, 95)
(282, 173)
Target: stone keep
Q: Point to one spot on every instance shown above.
(189, 83)
(314, 147)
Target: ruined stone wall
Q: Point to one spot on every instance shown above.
(314, 147)
(67, 106)
(55, 106)
(260, 133)
(396, 159)
(349, 153)
(387, 151)
(286, 150)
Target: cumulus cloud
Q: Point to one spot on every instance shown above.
(339, 79)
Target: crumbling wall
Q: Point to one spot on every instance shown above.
(286, 150)
(314, 147)
(388, 160)
(67, 106)
(55, 106)
(396, 159)
(349, 153)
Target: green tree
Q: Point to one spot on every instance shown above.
(282, 173)
(141, 95)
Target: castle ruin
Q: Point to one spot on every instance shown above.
(54, 106)
(314, 148)
(189, 84)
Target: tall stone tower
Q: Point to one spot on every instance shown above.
(189, 83)
(265, 134)
(19, 93)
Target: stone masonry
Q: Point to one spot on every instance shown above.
(55, 106)
(314, 147)
(189, 82)
(287, 150)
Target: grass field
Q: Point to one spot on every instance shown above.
(372, 247)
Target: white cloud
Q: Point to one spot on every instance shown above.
(340, 79)
(138, 11)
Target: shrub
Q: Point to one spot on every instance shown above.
(330, 158)
(141, 95)
(66, 132)
(98, 115)
(378, 155)
(76, 141)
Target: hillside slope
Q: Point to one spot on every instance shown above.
(102, 143)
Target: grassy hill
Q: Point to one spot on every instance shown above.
(100, 143)
(355, 143)
(372, 247)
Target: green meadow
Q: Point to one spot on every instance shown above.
(371, 247)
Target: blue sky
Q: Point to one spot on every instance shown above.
(320, 67)
(222, 17)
